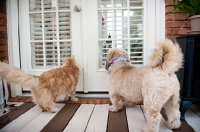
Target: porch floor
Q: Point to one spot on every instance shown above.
(86, 115)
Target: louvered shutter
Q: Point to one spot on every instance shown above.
(120, 24)
(49, 32)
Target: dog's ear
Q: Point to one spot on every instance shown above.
(107, 64)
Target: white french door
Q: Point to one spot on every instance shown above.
(51, 30)
(127, 24)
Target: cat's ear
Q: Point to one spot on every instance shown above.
(73, 57)
(64, 59)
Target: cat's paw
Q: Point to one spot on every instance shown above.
(54, 110)
(74, 99)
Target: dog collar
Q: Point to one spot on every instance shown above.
(115, 61)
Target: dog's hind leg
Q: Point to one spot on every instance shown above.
(153, 103)
(153, 117)
(117, 102)
(172, 112)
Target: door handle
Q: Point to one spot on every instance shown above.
(77, 8)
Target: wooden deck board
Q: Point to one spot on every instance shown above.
(117, 121)
(196, 109)
(89, 118)
(23, 120)
(135, 118)
(9, 117)
(60, 121)
(41, 120)
(98, 120)
(79, 121)
(193, 120)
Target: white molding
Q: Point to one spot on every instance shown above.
(13, 40)
(85, 44)
(160, 20)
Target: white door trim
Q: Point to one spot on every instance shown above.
(13, 40)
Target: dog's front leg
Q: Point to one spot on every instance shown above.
(117, 103)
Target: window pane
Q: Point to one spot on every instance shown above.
(35, 5)
(36, 26)
(136, 3)
(50, 23)
(119, 3)
(105, 23)
(104, 46)
(64, 4)
(51, 54)
(49, 5)
(65, 51)
(104, 3)
(136, 23)
(50, 26)
(119, 21)
(120, 24)
(136, 51)
(37, 59)
(64, 25)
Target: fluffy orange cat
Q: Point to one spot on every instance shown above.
(51, 86)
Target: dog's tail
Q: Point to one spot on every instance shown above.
(16, 76)
(167, 57)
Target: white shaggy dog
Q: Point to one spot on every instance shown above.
(156, 84)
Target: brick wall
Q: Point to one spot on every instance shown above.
(175, 24)
(3, 31)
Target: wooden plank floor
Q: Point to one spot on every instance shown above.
(87, 118)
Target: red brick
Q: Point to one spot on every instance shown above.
(169, 31)
(181, 31)
(90, 101)
(97, 101)
(169, 2)
(3, 22)
(3, 47)
(173, 24)
(169, 17)
(180, 16)
(3, 35)
(84, 101)
(2, 15)
(168, 9)
(104, 101)
(3, 29)
(3, 41)
(186, 24)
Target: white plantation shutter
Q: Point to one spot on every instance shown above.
(120, 24)
(49, 33)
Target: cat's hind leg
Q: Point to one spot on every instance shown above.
(72, 95)
(46, 101)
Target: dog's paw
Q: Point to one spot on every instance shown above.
(74, 99)
(144, 129)
(112, 108)
(173, 124)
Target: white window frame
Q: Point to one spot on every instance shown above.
(13, 33)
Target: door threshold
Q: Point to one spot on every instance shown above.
(79, 95)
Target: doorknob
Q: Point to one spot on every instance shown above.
(77, 8)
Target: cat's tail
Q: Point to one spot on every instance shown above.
(16, 76)
(168, 56)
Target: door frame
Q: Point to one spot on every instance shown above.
(14, 44)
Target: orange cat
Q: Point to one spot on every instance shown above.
(50, 86)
